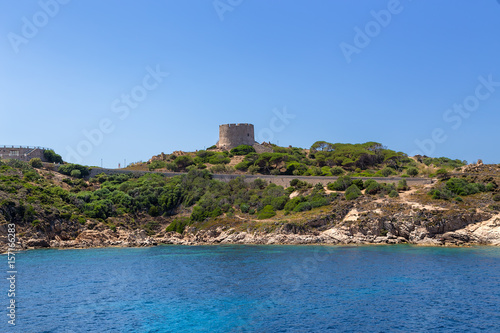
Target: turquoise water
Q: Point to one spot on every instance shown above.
(258, 289)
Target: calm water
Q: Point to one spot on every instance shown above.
(258, 288)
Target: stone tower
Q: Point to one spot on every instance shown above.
(233, 135)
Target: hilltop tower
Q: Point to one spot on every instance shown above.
(233, 135)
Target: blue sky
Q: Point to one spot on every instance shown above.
(417, 76)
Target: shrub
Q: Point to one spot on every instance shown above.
(491, 187)
(496, 197)
(253, 169)
(242, 166)
(67, 168)
(153, 211)
(36, 162)
(292, 203)
(221, 168)
(352, 192)
(266, 212)
(373, 188)
(303, 206)
(340, 184)
(76, 173)
(31, 176)
(393, 194)
(157, 165)
(242, 150)
(386, 172)
(219, 159)
(412, 171)
(182, 162)
(52, 157)
(358, 183)
(402, 185)
(442, 174)
(244, 207)
(178, 225)
(462, 187)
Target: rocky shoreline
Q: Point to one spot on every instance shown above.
(486, 232)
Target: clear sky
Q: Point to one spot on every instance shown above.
(119, 79)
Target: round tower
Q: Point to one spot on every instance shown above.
(233, 135)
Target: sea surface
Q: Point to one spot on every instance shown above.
(257, 289)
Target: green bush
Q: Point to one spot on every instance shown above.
(352, 192)
(242, 150)
(341, 184)
(31, 176)
(266, 212)
(66, 169)
(219, 159)
(182, 162)
(393, 194)
(386, 172)
(496, 197)
(178, 225)
(76, 173)
(52, 157)
(36, 162)
(442, 174)
(157, 165)
(373, 188)
(402, 185)
(358, 183)
(412, 171)
(244, 207)
(242, 166)
(292, 203)
(303, 206)
(462, 187)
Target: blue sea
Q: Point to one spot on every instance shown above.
(257, 289)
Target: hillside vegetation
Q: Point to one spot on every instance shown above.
(369, 159)
(45, 203)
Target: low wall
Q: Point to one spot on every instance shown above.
(278, 180)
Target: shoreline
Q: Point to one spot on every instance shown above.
(240, 238)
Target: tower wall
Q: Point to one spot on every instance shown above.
(233, 135)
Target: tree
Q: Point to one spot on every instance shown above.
(36, 162)
(52, 157)
(337, 171)
(183, 161)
